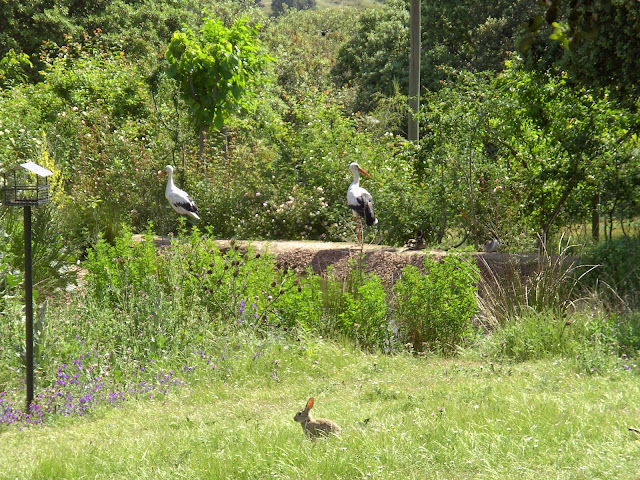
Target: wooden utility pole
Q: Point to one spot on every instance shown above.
(414, 70)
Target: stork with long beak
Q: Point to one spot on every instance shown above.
(360, 201)
(179, 200)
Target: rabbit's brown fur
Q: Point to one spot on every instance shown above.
(315, 427)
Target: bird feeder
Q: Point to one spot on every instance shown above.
(26, 186)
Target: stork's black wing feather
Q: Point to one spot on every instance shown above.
(366, 202)
(189, 206)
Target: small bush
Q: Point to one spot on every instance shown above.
(627, 327)
(533, 336)
(617, 276)
(301, 306)
(435, 309)
(169, 299)
(594, 344)
(365, 316)
(354, 308)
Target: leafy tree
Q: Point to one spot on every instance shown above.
(12, 68)
(571, 22)
(601, 39)
(25, 25)
(377, 54)
(305, 45)
(136, 27)
(567, 138)
(464, 35)
(216, 69)
(278, 6)
(524, 153)
(610, 60)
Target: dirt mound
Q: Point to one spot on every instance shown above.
(384, 261)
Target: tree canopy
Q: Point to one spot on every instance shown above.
(516, 142)
(216, 68)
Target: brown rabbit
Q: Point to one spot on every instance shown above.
(315, 427)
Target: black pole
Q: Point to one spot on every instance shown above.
(28, 304)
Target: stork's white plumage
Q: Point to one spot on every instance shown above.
(359, 200)
(180, 200)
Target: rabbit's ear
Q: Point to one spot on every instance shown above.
(310, 403)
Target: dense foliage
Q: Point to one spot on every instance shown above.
(144, 312)
(435, 310)
(260, 123)
(215, 68)
(518, 150)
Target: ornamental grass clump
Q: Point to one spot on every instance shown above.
(521, 286)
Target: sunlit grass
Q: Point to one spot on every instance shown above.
(401, 417)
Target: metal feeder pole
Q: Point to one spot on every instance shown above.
(27, 195)
(28, 304)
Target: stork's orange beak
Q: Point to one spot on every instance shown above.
(161, 173)
(364, 173)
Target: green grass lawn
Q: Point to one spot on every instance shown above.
(402, 417)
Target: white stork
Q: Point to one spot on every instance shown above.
(180, 200)
(359, 200)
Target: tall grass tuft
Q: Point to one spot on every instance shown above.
(530, 284)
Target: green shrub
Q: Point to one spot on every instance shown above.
(596, 347)
(627, 328)
(301, 306)
(171, 298)
(115, 272)
(434, 310)
(594, 344)
(354, 308)
(532, 336)
(617, 276)
(365, 317)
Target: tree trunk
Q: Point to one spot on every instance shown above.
(565, 195)
(595, 217)
(202, 143)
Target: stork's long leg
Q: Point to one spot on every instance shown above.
(359, 230)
